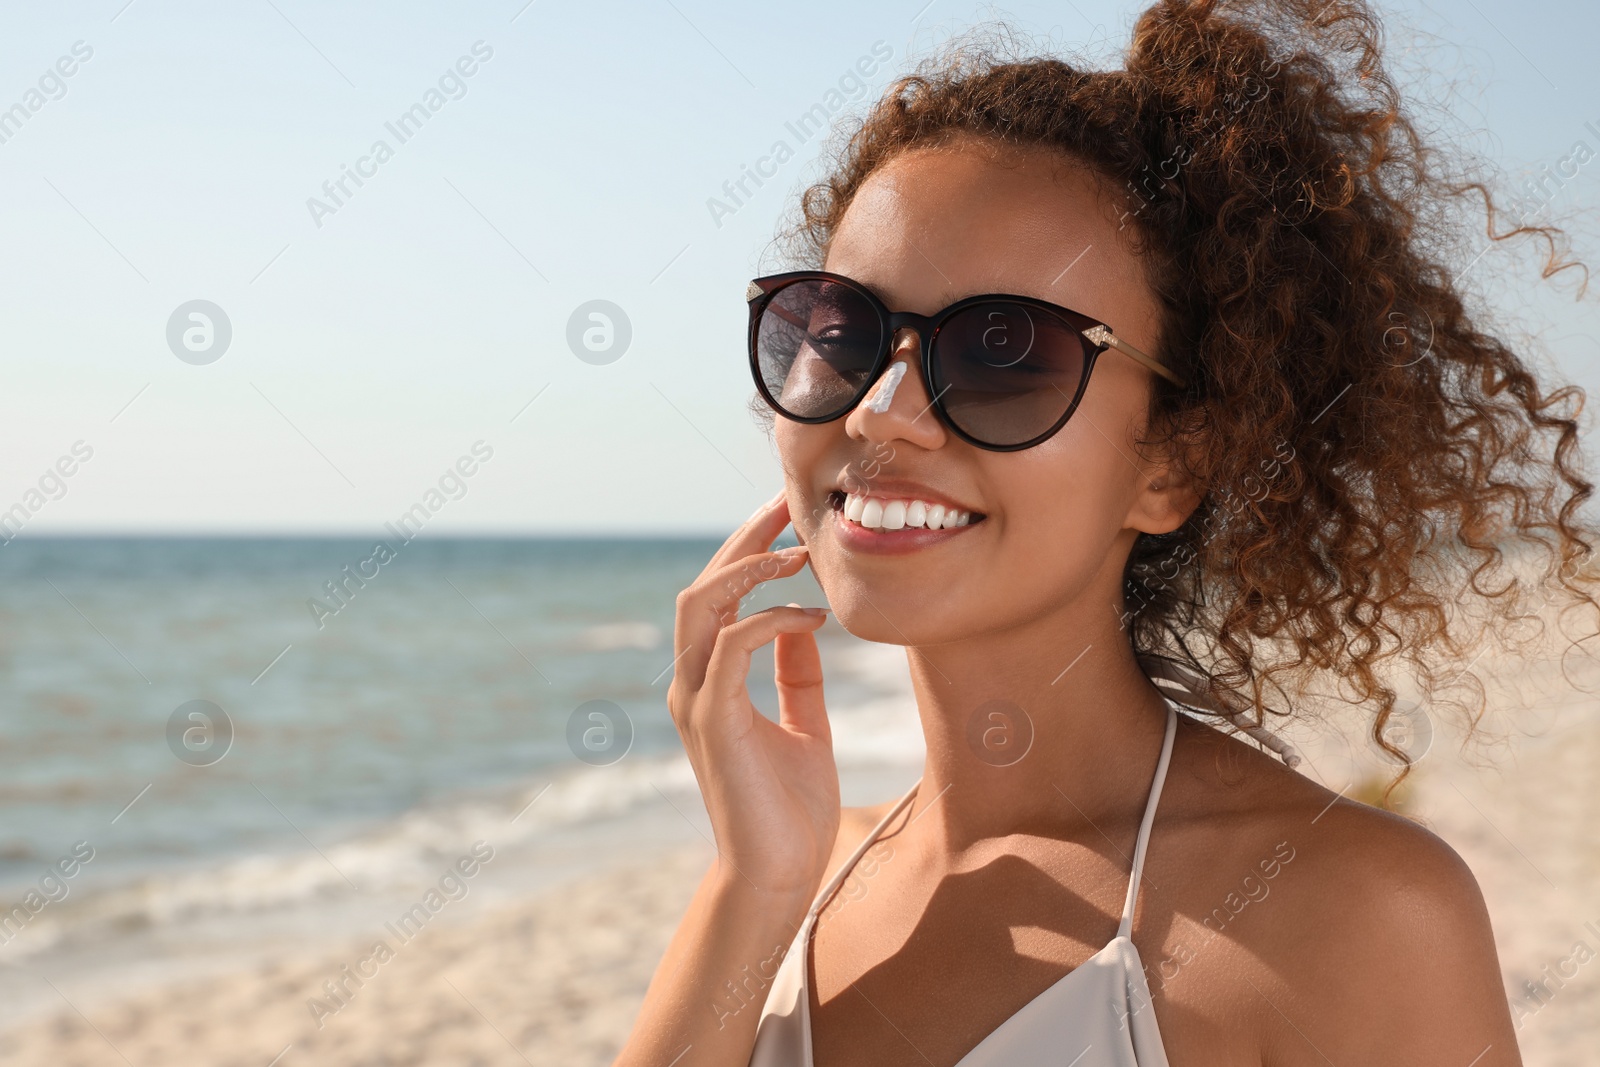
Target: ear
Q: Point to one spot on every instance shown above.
(1170, 489)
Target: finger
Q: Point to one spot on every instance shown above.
(757, 533)
(729, 669)
(712, 602)
(797, 670)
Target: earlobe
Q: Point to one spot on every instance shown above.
(1165, 502)
(1175, 479)
(1160, 511)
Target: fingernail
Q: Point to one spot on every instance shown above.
(815, 611)
(794, 550)
(774, 501)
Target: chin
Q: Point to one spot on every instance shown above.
(918, 612)
(860, 620)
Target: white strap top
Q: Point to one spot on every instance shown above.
(1098, 1015)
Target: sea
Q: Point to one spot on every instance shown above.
(268, 743)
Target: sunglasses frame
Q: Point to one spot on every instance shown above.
(759, 293)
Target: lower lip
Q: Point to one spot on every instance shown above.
(858, 538)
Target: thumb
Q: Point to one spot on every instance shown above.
(797, 671)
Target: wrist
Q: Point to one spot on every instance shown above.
(787, 902)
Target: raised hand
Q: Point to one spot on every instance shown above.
(771, 788)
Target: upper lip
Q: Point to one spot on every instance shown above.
(901, 489)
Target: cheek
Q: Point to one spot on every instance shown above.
(798, 452)
(802, 452)
(1076, 480)
(1064, 506)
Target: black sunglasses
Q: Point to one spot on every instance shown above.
(1005, 372)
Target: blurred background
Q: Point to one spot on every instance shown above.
(375, 379)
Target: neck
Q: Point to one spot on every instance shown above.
(1049, 729)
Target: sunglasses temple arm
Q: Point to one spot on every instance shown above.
(1106, 337)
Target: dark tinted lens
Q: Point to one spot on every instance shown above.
(1005, 373)
(816, 343)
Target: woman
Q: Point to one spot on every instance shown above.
(1227, 414)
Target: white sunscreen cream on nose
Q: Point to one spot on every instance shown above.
(880, 400)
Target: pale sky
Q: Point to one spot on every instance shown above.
(378, 335)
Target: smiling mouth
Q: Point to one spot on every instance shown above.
(895, 513)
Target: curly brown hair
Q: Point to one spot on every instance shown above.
(1376, 461)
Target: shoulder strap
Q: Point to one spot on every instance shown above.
(849, 864)
(1126, 928)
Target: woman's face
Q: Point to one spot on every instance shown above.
(932, 226)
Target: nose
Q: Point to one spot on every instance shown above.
(898, 407)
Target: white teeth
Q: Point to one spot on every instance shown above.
(900, 514)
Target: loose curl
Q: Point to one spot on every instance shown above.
(1379, 469)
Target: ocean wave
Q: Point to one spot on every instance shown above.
(880, 726)
(616, 636)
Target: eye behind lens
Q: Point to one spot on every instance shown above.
(1006, 373)
(816, 342)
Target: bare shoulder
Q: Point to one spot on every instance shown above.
(1334, 910)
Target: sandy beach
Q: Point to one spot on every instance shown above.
(557, 977)
(556, 980)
